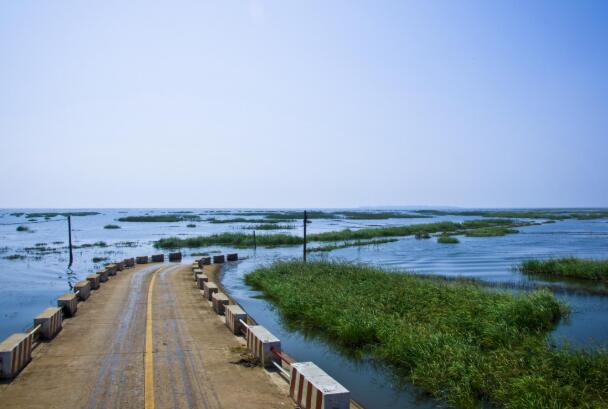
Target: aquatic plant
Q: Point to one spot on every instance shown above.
(89, 245)
(270, 226)
(550, 214)
(445, 239)
(14, 257)
(422, 235)
(111, 226)
(54, 214)
(586, 269)
(361, 215)
(460, 342)
(191, 225)
(164, 218)
(230, 239)
(213, 220)
(99, 259)
(23, 228)
(357, 243)
(490, 232)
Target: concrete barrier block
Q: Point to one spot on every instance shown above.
(103, 275)
(219, 301)
(111, 269)
(233, 314)
(205, 261)
(15, 354)
(158, 258)
(201, 279)
(219, 259)
(120, 265)
(175, 256)
(209, 289)
(311, 388)
(232, 257)
(84, 289)
(141, 260)
(51, 321)
(129, 262)
(68, 302)
(259, 343)
(195, 272)
(94, 280)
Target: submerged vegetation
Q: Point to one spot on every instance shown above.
(357, 243)
(460, 342)
(573, 267)
(111, 226)
(162, 218)
(445, 239)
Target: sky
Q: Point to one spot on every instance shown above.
(303, 104)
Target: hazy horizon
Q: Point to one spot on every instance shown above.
(256, 104)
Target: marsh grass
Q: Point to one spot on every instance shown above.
(22, 228)
(191, 225)
(445, 239)
(48, 215)
(239, 240)
(572, 267)
(356, 215)
(549, 214)
(14, 257)
(490, 232)
(270, 226)
(213, 220)
(357, 243)
(111, 226)
(99, 259)
(460, 342)
(164, 218)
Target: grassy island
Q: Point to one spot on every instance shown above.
(572, 267)
(458, 341)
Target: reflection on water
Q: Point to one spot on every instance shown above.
(29, 285)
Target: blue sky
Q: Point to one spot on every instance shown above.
(303, 104)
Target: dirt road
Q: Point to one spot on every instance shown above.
(146, 339)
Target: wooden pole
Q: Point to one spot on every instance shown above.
(254, 241)
(70, 240)
(305, 222)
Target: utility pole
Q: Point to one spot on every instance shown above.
(254, 242)
(70, 240)
(305, 222)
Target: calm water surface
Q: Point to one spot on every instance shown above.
(31, 284)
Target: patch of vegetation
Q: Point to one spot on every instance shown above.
(111, 226)
(239, 240)
(54, 214)
(270, 226)
(126, 244)
(490, 232)
(357, 243)
(355, 215)
(89, 245)
(164, 218)
(206, 253)
(23, 228)
(414, 229)
(550, 214)
(99, 259)
(57, 242)
(573, 267)
(464, 344)
(422, 235)
(445, 239)
(17, 214)
(213, 220)
(191, 225)
(14, 257)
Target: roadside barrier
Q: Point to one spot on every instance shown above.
(158, 258)
(219, 259)
(129, 262)
(15, 354)
(141, 260)
(208, 290)
(120, 265)
(219, 301)
(83, 289)
(205, 261)
(103, 275)
(260, 341)
(311, 388)
(234, 315)
(50, 321)
(175, 256)
(196, 271)
(232, 257)
(94, 280)
(68, 302)
(201, 279)
(111, 269)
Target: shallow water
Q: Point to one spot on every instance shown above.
(27, 286)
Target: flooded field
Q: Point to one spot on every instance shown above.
(33, 272)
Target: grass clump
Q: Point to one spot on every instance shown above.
(445, 239)
(549, 214)
(23, 228)
(573, 267)
(191, 225)
(357, 243)
(89, 245)
(422, 236)
(99, 259)
(491, 232)
(460, 342)
(239, 240)
(355, 215)
(111, 226)
(164, 218)
(270, 226)
(213, 220)
(14, 257)
(48, 215)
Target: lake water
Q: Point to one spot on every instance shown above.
(30, 284)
